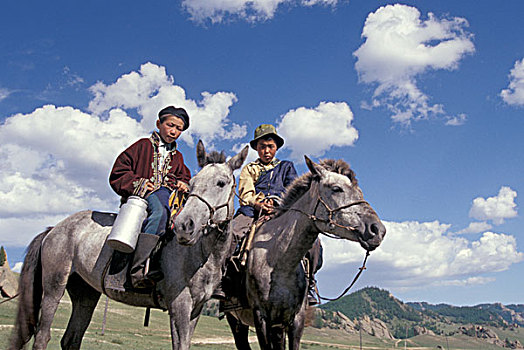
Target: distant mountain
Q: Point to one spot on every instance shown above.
(496, 315)
(374, 302)
(380, 304)
(8, 279)
(411, 318)
(378, 313)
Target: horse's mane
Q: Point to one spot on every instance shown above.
(214, 157)
(302, 184)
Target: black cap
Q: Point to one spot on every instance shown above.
(177, 112)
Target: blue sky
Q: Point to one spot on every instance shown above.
(425, 99)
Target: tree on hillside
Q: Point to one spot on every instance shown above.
(3, 256)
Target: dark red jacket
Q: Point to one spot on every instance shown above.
(140, 162)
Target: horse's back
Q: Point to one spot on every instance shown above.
(80, 240)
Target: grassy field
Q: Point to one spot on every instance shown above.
(124, 330)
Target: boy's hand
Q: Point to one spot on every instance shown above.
(182, 187)
(150, 186)
(264, 207)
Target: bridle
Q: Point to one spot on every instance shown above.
(212, 223)
(332, 224)
(329, 220)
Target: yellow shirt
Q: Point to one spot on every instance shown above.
(248, 177)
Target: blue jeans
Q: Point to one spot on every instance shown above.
(158, 212)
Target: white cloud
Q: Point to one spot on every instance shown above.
(400, 46)
(415, 254)
(56, 160)
(150, 89)
(495, 208)
(319, 2)
(472, 281)
(4, 93)
(514, 94)
(250, 10)
(457, 120)
(314, 131)
(17, 267)
(71, 79)
(476, 227)
(19, 231)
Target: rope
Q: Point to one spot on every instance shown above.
(11, 298)
(352, 283)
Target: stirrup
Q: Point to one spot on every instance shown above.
(312, 299)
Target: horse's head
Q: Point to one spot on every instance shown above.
(210, 202)
(340, 208)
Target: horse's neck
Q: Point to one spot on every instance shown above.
(210, 251)
(294, 233)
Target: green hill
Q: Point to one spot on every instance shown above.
(463, 314)
(376, 303)
(408, 319)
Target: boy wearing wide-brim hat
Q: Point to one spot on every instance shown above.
(267, 176)
(152, 168)
(259, 179)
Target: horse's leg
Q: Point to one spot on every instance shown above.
(297, 329)
(179, 317)
(29, 295)
(84, 299)
(54, 285)
(240, 332)
(263, 331)
(278, 341)
(192, 326)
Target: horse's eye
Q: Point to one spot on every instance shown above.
(337, 189)
(221, 183)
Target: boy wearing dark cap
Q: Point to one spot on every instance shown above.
(152, 168)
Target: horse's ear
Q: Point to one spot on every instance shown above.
(237, 161)
(315, 169)
(201, 154)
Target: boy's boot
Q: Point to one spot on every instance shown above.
(218, 293)
(142, 276)
(312, 292)
(312, 286)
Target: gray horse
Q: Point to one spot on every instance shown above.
(73, 256)
(327, 199)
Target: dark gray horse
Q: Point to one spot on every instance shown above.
(327, 199)
(73, 256)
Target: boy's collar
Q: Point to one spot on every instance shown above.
(273, 162)
(157, 141)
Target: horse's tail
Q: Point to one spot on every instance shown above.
(29, 294)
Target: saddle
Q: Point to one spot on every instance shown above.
(116, 279)
(234, 283)
(234, 278)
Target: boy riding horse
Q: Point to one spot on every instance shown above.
(260, 180)
(152, 168)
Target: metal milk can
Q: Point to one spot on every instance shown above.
(128, 224)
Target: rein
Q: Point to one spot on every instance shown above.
(9, 299)
(360, 269)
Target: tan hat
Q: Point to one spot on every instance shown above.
(263, 131)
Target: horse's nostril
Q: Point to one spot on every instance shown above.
(375, 229)
(190, 225)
